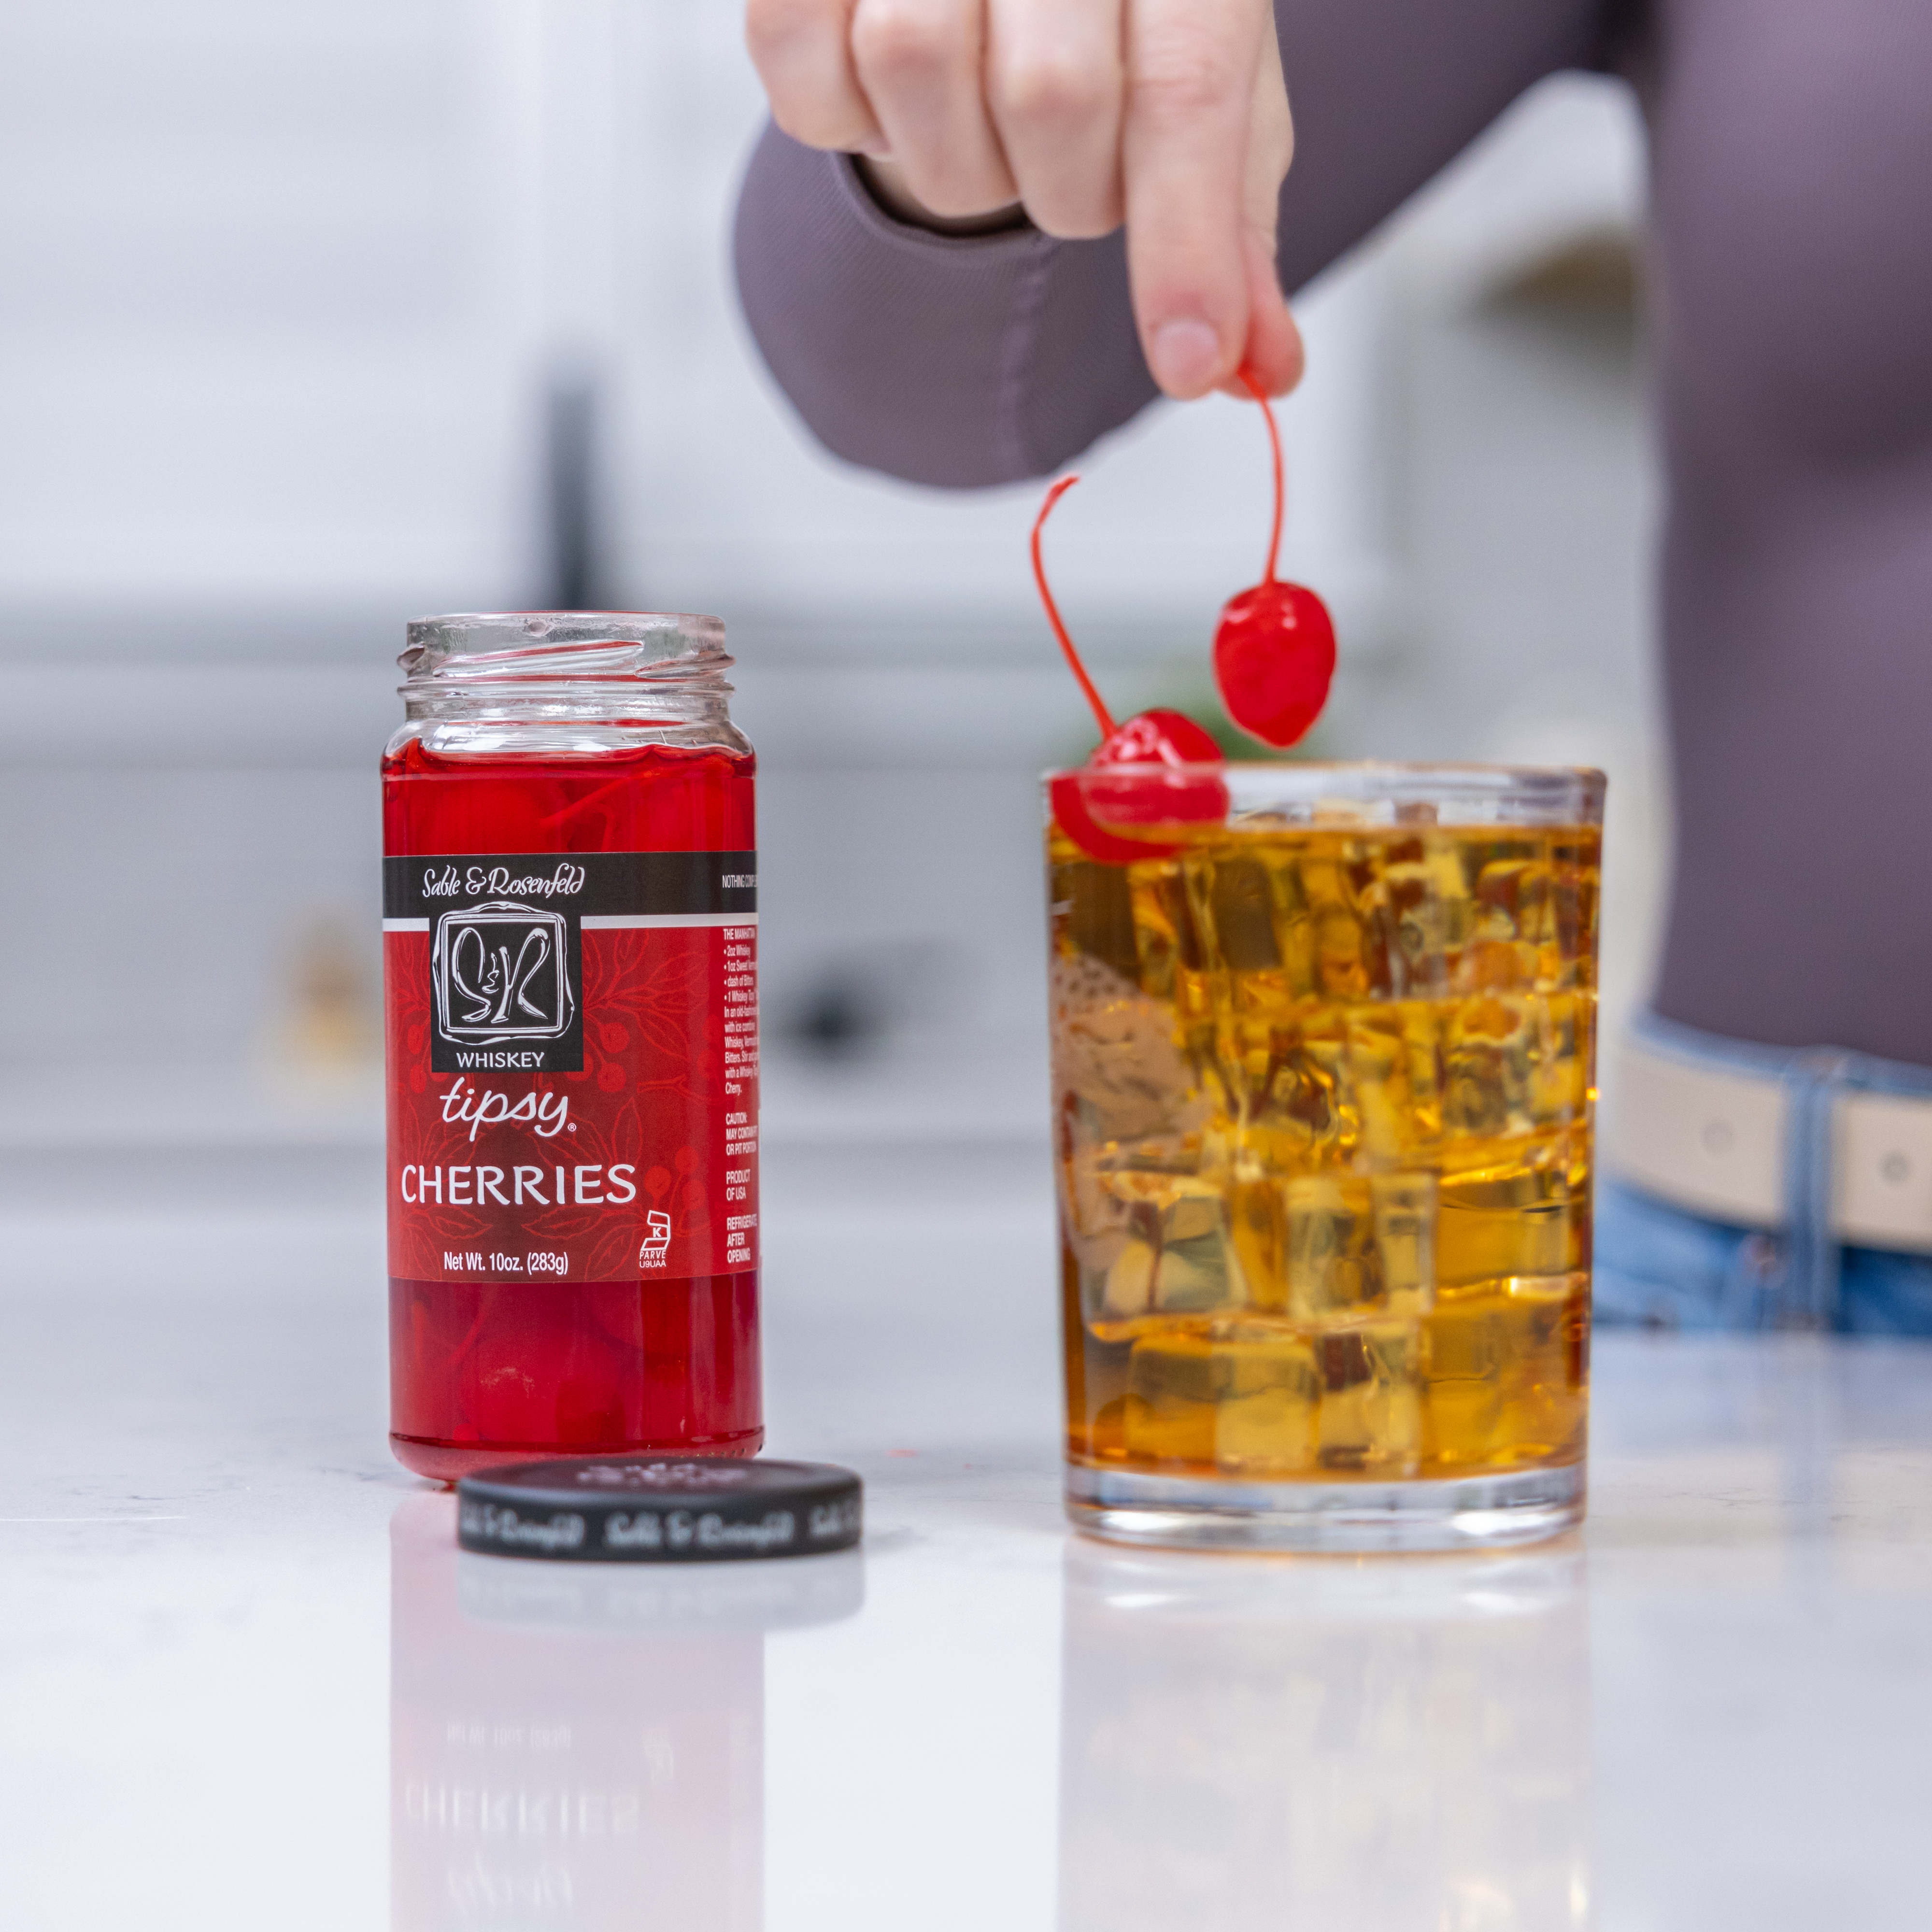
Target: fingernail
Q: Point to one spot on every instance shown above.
(1186, 355)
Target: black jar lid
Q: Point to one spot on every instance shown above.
(691, 1509)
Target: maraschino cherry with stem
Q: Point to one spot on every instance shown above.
(1168, 789)
(1274, 651)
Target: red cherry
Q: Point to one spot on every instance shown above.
(1175, 791)
(1143, 773)
(1171, 737)
(1274, 655)
(1274, 650)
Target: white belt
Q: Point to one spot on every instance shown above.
(1714, 1142)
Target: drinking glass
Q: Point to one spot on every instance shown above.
(1324, 1071)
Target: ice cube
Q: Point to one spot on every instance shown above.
(1428, 907)
(1369, 1421)
(1238, 900)
(1488, 1058)
(1360, 1243)
(1500, 966)
(1240, 1394)
(1573, 880)
(1094, 1217)
(1503, 1374)
(1404, 1207)
(1265, 1422)
(1347, 909)
(1093, 909)
(1520, 1207)
(1513, 897)
(1466, 1346)
(1171, 1256)
(1127, 1285)
(1258, 1232)
(1172, 1383)
(1181, 1219)
(1332, 1268)
(1165, 940)
(1546, 1370)
(1560, 1080)
(1195, 1278)
(1293, 1095)
(1394, 1079)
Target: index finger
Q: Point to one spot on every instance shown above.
(1191, 68)
(801, 49)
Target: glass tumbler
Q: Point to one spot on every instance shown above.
(1324, 1072)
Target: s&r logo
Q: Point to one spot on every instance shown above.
(502, 972)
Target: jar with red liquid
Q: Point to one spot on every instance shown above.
(570, 929)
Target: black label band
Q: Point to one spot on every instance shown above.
(596, 884)
(506, 939)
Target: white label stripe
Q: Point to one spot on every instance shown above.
(617, 922)
(627, 921)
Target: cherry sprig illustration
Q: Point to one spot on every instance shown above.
(1274, 650)
(1145, 772)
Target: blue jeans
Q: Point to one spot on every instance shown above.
(1660, 1267)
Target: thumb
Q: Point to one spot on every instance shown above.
(1274, 355)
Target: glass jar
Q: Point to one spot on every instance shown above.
(570, 926)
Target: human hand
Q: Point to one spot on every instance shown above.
(1169, 115)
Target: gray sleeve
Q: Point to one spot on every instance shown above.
(967, 362)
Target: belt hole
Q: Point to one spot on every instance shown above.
(1895, 1167)
(1717, 1137)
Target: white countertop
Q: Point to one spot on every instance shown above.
(247, 1682)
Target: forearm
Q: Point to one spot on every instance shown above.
(962, 361)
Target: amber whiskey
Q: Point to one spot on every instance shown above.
(1322, 1100)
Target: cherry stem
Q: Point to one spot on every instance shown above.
(1079, 670)
(1255, 389)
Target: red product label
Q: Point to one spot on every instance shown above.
(573, 1094)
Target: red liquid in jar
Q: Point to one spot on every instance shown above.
(484, 1372)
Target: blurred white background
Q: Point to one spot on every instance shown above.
(322, 316)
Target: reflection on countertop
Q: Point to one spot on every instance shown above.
(583, 1744)
(1368, 1743)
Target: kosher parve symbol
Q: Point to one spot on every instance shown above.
(502, 972)
(657, 1240)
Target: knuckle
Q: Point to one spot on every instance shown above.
(1053, 90)
(775, 27)
(892, 42)
(1182, 82)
